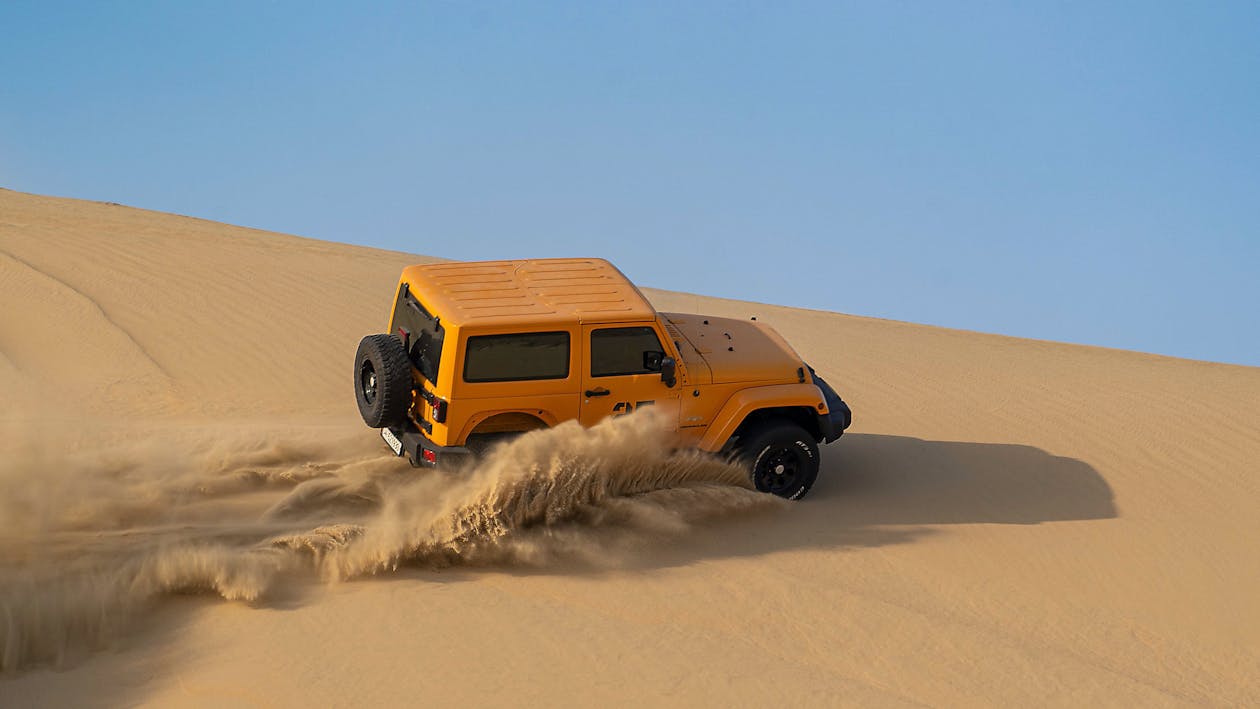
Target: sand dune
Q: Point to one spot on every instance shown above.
(1009, 521)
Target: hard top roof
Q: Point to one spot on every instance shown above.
(535, 291)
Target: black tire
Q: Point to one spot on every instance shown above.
(479, 444)
(781, 458)
(382, 381)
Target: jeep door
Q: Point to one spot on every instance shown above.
(621, 373)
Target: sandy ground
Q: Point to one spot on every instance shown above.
(192, 514)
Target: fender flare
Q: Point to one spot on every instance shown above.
(744, 402)
(548, 420)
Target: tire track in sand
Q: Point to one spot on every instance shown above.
(126, 334)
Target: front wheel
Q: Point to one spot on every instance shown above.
(782, 458)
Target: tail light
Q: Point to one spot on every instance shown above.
(437, 405)
(429, 456)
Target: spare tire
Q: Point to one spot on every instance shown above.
(382, 381)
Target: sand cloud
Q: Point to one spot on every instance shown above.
(93, 536)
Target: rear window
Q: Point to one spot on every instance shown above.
(421, 332)
(517, 357)
(619, 350)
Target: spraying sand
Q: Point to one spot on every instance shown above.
(79, 562)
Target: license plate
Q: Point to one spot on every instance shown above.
(392, 440)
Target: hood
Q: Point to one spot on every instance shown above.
(725, 350)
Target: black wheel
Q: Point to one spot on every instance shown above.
(782, 459)
(382, 381)
(479, 444)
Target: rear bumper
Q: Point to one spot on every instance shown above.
(838, 417)
(415, 443)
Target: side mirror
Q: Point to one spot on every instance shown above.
(668, 369)
(652, 360)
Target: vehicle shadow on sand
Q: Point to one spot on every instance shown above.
(876, 490)
(896, 480)
(872, 491)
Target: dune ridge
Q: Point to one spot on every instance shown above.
(1009, 521)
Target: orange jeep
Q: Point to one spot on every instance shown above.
(477, 351)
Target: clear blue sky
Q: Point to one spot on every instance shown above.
(1078, 171)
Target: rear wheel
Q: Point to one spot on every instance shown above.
(782, 459)
(382, 381)
(479, 444)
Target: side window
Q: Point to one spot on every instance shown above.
(620, 350)
(513, 358)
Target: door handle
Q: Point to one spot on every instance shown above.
(600, 391)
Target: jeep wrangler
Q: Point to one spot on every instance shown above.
(481, 350)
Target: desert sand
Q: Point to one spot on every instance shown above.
(192, 514)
